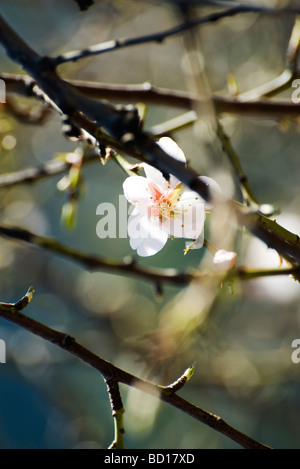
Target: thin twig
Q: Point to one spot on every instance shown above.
(161, 36)
(28, 116)
(248, 194)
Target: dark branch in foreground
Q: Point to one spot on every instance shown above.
(111, 372)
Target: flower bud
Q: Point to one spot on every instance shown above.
(224, 260)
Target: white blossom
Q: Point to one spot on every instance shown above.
(163, 207)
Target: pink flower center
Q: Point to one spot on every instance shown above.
(164, 205)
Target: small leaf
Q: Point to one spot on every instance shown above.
(63, 184)
(74, 176)
(69, 215)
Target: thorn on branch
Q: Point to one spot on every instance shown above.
(70, 130)
(67, 340)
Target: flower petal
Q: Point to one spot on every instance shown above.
(150, 246)
(156, 177)
(194, 218)
(171, 147)
(146, 238)
(188, 221)
(189, 196)
(136, 191)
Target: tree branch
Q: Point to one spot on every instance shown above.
(32, 175)
(127, 266)
(149, 94)
(161, 36)
(248, 194)
(117, 413)
(285, 79)
(111, 372)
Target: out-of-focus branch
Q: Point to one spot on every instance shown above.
(114, 374)
(275, 236)
(28, 116)
(275, 86)
(149, 94)
(248, 194)
(128, 266)
(32, 175)
(251, 5)
(250, 274)
(279, 84)
(285, 79)
(249, 197)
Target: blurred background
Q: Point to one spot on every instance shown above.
(240, 338)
